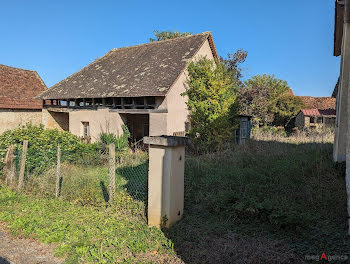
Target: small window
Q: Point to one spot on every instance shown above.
(86, 129)
(312, 119)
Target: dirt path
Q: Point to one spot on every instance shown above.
(18, 250)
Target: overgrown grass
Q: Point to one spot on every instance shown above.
(273, 200)
(86, 226)
(288, 193)
(83, 233)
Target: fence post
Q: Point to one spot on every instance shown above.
(23, 165)
(111, 171)
(12, 169)
(8, 165)
(58, 172)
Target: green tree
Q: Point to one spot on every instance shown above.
(163, 35)
(269, 100)
(286, 108)
(212, 103)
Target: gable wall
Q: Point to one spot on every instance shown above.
(175, 103)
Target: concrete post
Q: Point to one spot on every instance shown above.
(165, 179)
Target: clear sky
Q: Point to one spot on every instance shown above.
(292, 39)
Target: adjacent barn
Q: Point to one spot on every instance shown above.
(18, 88)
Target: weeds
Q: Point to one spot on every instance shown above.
(82, 233)
(277, 188)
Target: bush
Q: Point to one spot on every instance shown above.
(271, 131)
(212, 104)
(121, 141)
(42, 146)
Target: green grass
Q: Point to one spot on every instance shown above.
(82, 233)
(286, 193)
(265, 202)
(84, 224)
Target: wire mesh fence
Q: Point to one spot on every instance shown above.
(84, 177)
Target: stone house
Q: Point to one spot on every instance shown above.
(314, 118)
(18, 88)
(138, 86)
(318, 112)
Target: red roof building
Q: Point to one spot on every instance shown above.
(18, 87)
(318, 112)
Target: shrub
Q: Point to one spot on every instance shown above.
(212, 103)
(42, 147)
(121, 141)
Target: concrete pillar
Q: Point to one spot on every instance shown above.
(165, 179)
(339, 147)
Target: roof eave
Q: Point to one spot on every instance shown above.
(338, 27)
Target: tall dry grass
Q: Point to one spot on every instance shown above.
(317, 135)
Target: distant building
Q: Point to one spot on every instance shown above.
(318, 112)
(18, 87)
(313, 118)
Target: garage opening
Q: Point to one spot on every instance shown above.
(138, 125)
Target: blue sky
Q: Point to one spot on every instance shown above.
(292, 39)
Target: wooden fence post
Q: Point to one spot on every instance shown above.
(111, 171)
(23, 165)
(12, 169)
(58, 172)
(8, 165)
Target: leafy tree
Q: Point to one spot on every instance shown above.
(286, 108)
(212, 104)
(269, 100)
(232, 63)
(163, 35)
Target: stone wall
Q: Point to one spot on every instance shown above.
(11, 119)
(100, 121)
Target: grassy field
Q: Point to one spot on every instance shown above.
(273, 200)
(83, 224)
(84, 233)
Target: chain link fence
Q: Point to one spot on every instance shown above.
(83, 177)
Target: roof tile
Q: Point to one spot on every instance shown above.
(143, 70)
(18, 87)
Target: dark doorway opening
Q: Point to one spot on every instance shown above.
(138, 125)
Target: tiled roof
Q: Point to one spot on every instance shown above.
(318, 102)
(319, 112)
(144, 70)
(18, 87)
